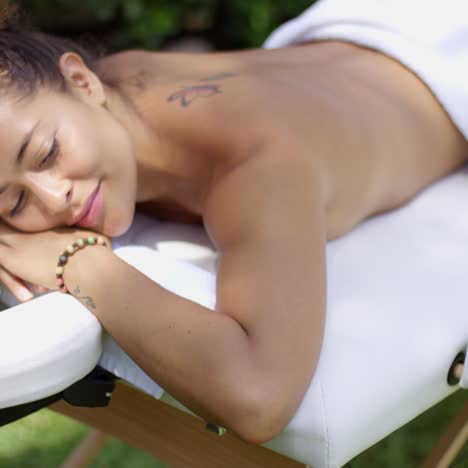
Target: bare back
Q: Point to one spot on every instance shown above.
(371, 127)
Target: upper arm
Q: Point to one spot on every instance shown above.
(269, 225)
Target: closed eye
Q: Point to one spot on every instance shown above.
(52, 154)
(49, 158)
(19, 205)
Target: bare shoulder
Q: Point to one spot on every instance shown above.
(222, 109)
(275, 181)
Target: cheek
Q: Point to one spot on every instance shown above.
(120, 178)
(99, 148)
(32, 220)
(79, 160)
(91, 154)
(84, 146)
(119, 204)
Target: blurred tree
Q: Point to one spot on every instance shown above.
(150, 24)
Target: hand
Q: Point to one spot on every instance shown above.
(33, 257)
(18, 287)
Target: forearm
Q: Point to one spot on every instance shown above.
(199, 356)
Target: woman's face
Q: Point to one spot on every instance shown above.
(65, 161)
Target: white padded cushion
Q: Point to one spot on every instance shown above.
(396, 318)
(45, 346)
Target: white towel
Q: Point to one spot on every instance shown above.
(430, 37)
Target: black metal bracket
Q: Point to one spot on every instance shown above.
(94, 390)
(452, 379)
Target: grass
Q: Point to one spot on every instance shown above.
(409, 446)
(44, 439)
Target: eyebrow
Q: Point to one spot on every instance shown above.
(22, 151)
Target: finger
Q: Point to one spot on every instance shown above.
(15, 285)
(7, 233)
(38, 288)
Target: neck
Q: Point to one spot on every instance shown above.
(167, 168)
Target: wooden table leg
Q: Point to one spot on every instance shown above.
(451, 442)
(87, 449)
(171, 435)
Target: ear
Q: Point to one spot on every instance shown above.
(80, 80)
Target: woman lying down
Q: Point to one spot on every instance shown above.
(274, 151)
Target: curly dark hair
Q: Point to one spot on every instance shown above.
(29, 59)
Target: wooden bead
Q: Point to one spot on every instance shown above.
(70, 250)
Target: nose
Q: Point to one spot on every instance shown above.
(53, 192)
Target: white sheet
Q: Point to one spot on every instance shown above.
(396, 319)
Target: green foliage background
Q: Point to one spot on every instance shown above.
(120, 24)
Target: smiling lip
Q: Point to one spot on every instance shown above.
(92, 209)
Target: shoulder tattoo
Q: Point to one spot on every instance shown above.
(188, 94)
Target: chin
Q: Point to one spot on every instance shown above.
(118, 226)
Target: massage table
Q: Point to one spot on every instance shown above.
(396, 336)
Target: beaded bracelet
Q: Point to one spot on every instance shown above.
(68, 252)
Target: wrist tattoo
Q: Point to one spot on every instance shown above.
(86, 300)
